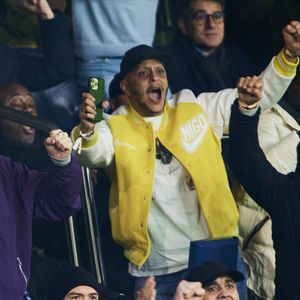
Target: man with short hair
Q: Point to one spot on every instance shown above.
(202, 62)
(168, 180)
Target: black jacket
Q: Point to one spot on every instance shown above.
(278, 194)
(37, 73)
(191, 70)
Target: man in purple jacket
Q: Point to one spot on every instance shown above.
(26, 194)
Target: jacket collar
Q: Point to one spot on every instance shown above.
(138, 119)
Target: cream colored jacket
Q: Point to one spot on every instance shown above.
(277, 133)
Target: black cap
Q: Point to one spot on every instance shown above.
(67, 278)
(210, 271)
(137, 54)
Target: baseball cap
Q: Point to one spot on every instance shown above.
(136, 55)
(209, 271)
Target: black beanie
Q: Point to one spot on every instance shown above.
(68, 277)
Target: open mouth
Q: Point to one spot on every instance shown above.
(155, 94)
(28, 130)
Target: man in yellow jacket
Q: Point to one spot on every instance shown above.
(168, 180)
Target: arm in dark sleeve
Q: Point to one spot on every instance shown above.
(57, 63)
(57, 193)
(249, 164)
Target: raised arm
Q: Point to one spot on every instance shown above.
(57, 193)
(57, 63)
(247, 160)
(277, 77)
(52, 195)
(39, 7)
(94, 142)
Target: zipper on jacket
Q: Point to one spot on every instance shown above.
(21, 269)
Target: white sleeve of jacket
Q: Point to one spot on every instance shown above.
(100, 154)
(279, 141)
(218, 105)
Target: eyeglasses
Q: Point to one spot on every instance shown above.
(216, 287)
(202, 17)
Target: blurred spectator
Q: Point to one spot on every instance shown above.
(277, 193)
(50, 68)
(37, 73)
(269, 189)
(218, 281)
(19, 26)
(208, 281)
(23, 144)
(278, 129)
(18, 141)
(202, 62)
(117, 97)
(104, 30)
(74, 283)
(29, 194)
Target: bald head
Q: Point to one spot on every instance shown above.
(18, 97)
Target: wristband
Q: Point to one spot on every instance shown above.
(288, 53)
(246, 106)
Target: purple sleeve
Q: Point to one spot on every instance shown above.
(59, 196)
(50, 196)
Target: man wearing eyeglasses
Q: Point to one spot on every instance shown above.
(202, 62)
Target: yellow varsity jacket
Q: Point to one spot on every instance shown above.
(184, 131)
